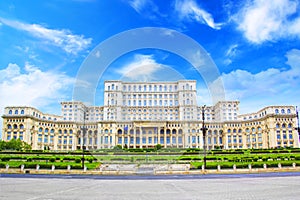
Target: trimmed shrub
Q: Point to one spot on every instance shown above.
(5, 159)
(241, 165)
(257, 165)
(228, 165)
(52, 159)
(77, 160)
(29, 159)
(90, 160)
(2, 165)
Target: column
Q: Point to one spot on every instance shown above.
(134, 137)
(165, 138)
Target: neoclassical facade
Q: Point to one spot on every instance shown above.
(143, 114)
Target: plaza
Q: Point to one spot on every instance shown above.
(261, 186)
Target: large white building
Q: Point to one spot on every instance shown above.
(143, 114)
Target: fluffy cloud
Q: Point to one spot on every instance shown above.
(64, 39)
(188, 9)
(31, 87)
(267, 20)
(272, 86)
(145, 68)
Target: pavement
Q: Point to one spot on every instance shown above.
(210, 186)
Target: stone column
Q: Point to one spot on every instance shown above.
(134, 137)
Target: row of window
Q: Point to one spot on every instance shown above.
(10, 112)
(14, 135)
(15, 126)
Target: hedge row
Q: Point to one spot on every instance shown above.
(46, 158)
(229, 165)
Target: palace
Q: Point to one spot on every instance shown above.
(143, 114)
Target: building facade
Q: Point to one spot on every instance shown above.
(143, 114)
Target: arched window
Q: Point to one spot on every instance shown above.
(228, 131)
(21, 126)
(187, 101)
(46, 130)
(15, 126)
(277, 126)
(10, 112)
(289, 111)
(290, 125)
(70, 131)
(16, 112)
(276, 111)
(40, 129)
(52, 131)
(283, 125)
(282, 111)
(120, 132)
(22, 112)
(9, 126)
(253, 130)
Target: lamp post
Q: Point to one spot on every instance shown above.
(83, 135)
(204, 129)
(298, 127)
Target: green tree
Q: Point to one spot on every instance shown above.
(158, 147)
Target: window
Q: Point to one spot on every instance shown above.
(16, 112)
(22, 112)
(10, 112)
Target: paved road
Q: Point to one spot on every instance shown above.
(254, 186)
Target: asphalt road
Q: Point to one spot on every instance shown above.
(235, 186)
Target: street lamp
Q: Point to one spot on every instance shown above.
(83, 135)
(298, 127)
(204, 129)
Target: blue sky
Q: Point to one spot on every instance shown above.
(255, 45)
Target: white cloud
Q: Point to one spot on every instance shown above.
(145, 68)
(31, 87)
(64, 39)
(230, 54)
(145, 8)
(272, 86)
(142, 68)
(188, 9)
(268, 20)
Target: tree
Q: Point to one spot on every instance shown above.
(158, 147)
(14, 144)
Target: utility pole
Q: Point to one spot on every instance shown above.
(204, 129)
